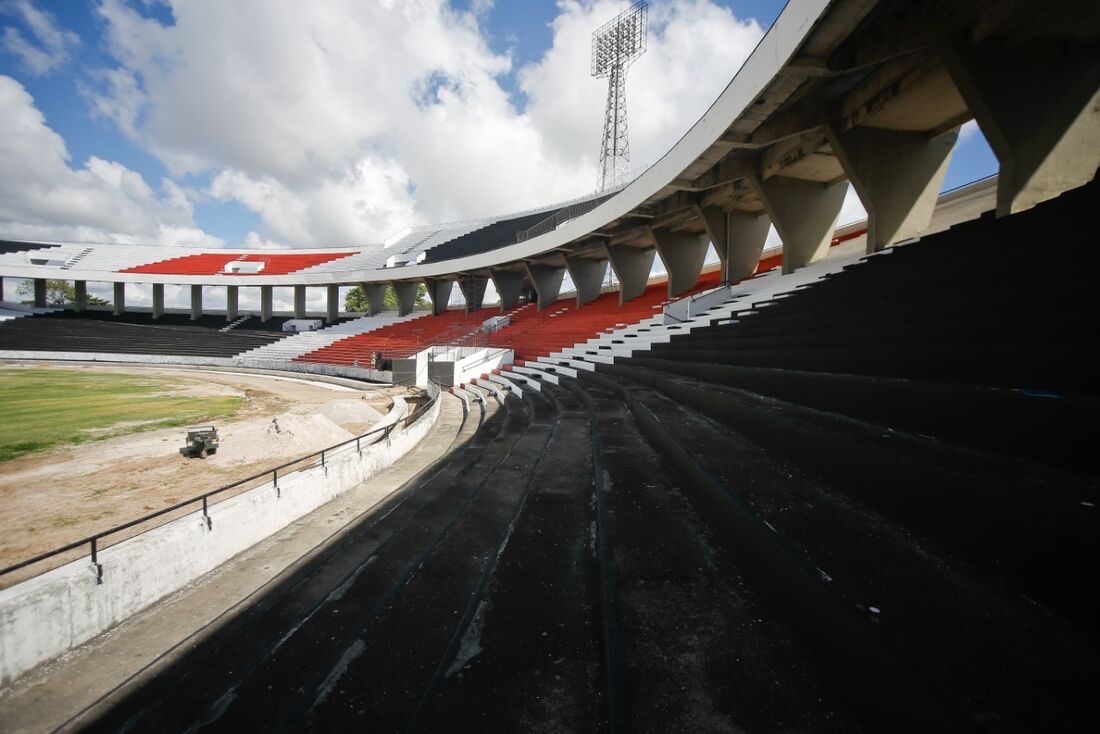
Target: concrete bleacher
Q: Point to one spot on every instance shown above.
(787, 506)
(402, 338)
(312, 341)
(915, 430)
(131, 333)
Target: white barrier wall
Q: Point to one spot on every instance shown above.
(175, 360)
(62, 608)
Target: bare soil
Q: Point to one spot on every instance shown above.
(53, 498)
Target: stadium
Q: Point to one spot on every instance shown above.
(839, 484)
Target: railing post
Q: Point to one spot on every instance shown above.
(206, 514)
(323, 459)
(275, 475)
(96, 565)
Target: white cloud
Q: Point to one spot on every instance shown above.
(54, 44)
(41, 197)
(338, 123)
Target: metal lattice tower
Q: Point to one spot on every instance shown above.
(615, 46)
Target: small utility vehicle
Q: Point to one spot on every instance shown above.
(201, 441)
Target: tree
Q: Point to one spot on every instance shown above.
(58, 292)
(356, 299)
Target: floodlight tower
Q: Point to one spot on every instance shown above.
(615, 46)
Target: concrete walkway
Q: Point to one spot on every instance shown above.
(60, 694)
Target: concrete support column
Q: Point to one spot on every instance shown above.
(683, 254)
(439, 291)
(332, 302)
(196, 302)
(898, 176)
(509, 285)
(738, 239)
(40, 292)
(405, 290)
(804, 213)
(1, 289)
(120, 299)
(80, 295)
(632, 266)
(747, 235)
(232, 307)
(158, 300)
(546, 280)
(299, 301)
(587, 276)
(266, 299)
(376, 296)
(473, 290)
(1038, 105)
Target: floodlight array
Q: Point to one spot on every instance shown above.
(621, 40)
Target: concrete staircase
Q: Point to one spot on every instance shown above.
(311, 341)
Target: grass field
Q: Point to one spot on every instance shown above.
(43, 408)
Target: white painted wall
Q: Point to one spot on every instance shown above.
(43, 617)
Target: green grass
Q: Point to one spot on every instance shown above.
(43, 408)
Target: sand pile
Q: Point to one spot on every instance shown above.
(349, 411)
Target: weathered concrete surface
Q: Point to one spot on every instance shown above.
(63, 691)
(898, 176)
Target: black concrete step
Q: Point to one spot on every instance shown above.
(1046, 428)
(380, 680)
(316, 599)
(1029, 526)
(532, 656)
(688, 622)
(987, 648)
(1043, 367)
(927, 331)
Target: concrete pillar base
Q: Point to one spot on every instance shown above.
(683, 254)
(80, 295)
(376, 297)
(158, 300)
(196, 302)
(587, 275)
(299, 301)
(439, 292)
(232, 302)
(473, 290)
(898, 176)
(120, 299)
(632, 266)
(1041, 155)
(406, 295)
(509, 285)
(747, 235)
(332, 303)
(266, 301)
(40, 292)
(547, 281)
(804, 213)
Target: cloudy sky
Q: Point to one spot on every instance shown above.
(286, 124)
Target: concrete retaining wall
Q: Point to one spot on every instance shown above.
(62, 608)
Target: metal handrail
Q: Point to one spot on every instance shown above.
(93, 540)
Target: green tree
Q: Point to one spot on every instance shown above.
(58, 292)
(356, 299)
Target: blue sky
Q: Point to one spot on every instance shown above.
(518, 92)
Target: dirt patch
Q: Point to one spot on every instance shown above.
(57, 497)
